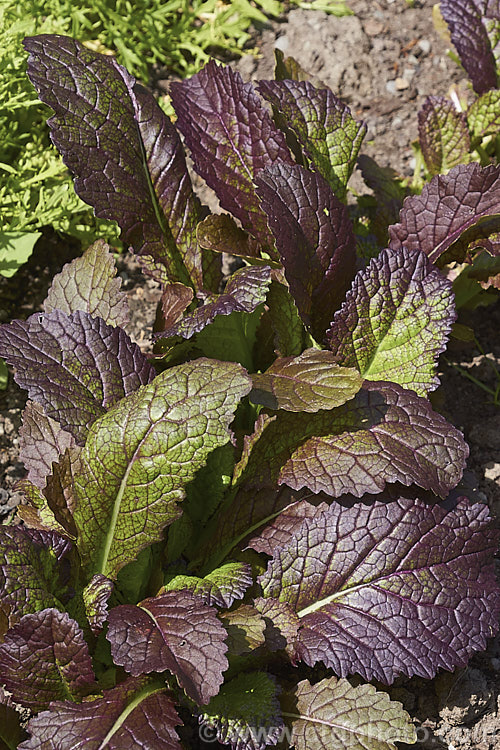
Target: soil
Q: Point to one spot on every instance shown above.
(383, 62)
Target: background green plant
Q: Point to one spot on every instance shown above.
(36, 190)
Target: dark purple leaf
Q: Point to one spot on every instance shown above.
(308, 383)
(42, 441)
(140, 456)
(334, 714)
(400, 587)
(175, 631)
(135, 714)
(472, 25)
(32, 571)
(323, 125)
(45, 658)
(175, 299)
(95, 599)
(246, 714)
(279, 530)
(74, 366)
(89, 283)
(245, 290)
(449, 206)
(314, 237)
(395, 320)
(443, 135)
(231, 137)
(125, 153)
(385, 434)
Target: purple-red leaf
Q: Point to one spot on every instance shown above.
(231, 137)
(42, 441)
(75, 366)
(314, 237)
(95, 599)
(395, 320)
(399, 587)
(473, 27)
(45, 658)
(175, 631)
(384, 434)
(89, 283)
(449, 206)
(328, 134)
(135, 714)
(125, 153)
(245, 290)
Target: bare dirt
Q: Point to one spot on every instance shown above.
(383, 62)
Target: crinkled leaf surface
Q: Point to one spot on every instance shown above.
(470, 24)
(89, 283)
(74, 366)
(284, 628)
(395, 320)
(45, 658)
(483, 116)
(443, 135)
(448, 206)
(308, 383)
(42, 441)
(323, 125)
(139, 457)
(385, 434)
(177, 631)
(245, 290)
(246, 714)
(221, 587)
(95, 599)
(231, 137)
(125, 153)
(399, 587)
(175, 299)
(332, 714)
(245, 629)
(285, 321)
(314, 237)
(33, 575)
(279, 531)
(135, 714)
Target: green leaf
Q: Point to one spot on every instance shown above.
(221, 587)
(307, 383)
(332, 714)
(443, 135)
(246, 713)
(483, 116)
(141, 454)
(206, 491)
(4, 375)
(285, 321)
(231, 337)
(15, 249)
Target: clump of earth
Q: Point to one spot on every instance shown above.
(383, 62)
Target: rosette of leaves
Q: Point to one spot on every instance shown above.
(273, 490)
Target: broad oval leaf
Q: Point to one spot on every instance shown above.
(246, 714)
(175, 631)
(472, 28)
(231, 137)
(443, 135)
(323, 125)
(74, 366)
(399, 587)
(125, 153)
(334, 714)
(385, 434)
(447, 207)
(314, 237)
(45, 658)
(89, 283)
(308, 383)
(137, 713)
(139, 457)
(395, 320)
(42, 441)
